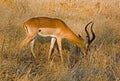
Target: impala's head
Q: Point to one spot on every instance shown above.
(88, 40)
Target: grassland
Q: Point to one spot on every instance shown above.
(101, 64)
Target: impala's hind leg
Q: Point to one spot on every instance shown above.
(31, 34)
(27, 40)
(32, 47)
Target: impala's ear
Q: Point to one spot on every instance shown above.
(87, 39)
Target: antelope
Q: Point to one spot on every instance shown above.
(57, 30)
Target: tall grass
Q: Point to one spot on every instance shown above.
(102, 62)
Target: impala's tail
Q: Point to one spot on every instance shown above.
(89, 40)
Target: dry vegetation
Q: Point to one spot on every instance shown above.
(101, 64)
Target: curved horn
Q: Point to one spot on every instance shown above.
(93, 34)
(88, 35)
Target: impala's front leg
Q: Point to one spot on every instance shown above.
(51, 47)
(60, 48)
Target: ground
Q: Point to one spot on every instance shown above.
(101, 63)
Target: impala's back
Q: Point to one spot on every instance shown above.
(40, 22)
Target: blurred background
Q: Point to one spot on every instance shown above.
(101, 64)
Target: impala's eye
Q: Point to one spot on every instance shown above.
(39, 30)
(79, 35)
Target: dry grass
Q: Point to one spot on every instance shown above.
(101, 64)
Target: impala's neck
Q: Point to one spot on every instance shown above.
(78, 41)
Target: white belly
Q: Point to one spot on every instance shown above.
(46, 35)
(45, 32)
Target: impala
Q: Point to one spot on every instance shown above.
(57, 30)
